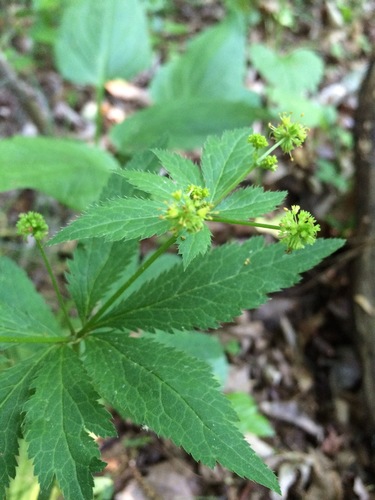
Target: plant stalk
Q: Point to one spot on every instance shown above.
(142, 268)
(245, 223)
(99, 96)
(55, 286)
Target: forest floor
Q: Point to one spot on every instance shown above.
(296, 354)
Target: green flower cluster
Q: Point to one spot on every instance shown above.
(290, 135)
(297, 228)
(269, 163)
(32, 223)
(258, 141)
(189, 210)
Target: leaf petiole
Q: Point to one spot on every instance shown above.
(245, 223)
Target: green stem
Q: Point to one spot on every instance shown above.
(245, 223)
(142, 268)
(35, 340)
(55, 286)
(243, 176)
(99, 96)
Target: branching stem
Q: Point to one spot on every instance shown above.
(142, 268)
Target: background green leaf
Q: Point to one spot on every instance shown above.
(212, 67)
(23, 311)
(59, 416)
(198, 345)
(176, 396)
(297, 72)
(186, 122)
(70, 171)
(251, 421)
(102, 40)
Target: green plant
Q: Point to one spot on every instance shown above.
(116, 350)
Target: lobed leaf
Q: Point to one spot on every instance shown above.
(180, 168)
(176, 396)
(118, 219)
(159, 187)
(194, 244)
(14, 391)
(96, 264)
(225, 159)
(249, 202)
(217, 286)
(198, 345)
(59, 416)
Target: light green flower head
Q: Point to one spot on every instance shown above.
(292, 134)
(298, 228)
(32, 223)
(189, 209)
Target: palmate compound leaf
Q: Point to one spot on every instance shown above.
(14, 391)
(59, 416)
(176, 396)
(117, 219)
(95, 266)
(216, 287)
(224, 160)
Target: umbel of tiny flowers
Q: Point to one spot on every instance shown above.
(289, 135)
(32, 223)
(297, 228)
(189, 210)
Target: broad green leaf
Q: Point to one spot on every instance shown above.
(159, 187)
(176, 396)
(299, 71)
(72, 172)
(194, 244)
(118, 219)
(14, 391)
(217, 286)
(249, 202)
(251, 421)
(59, 416)
(213, 66)
(23, 311)
(225, 159)
(102, 40)
(198, 345)
(309, 112)
(180, 168)
(187, 122)
(96, 264)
